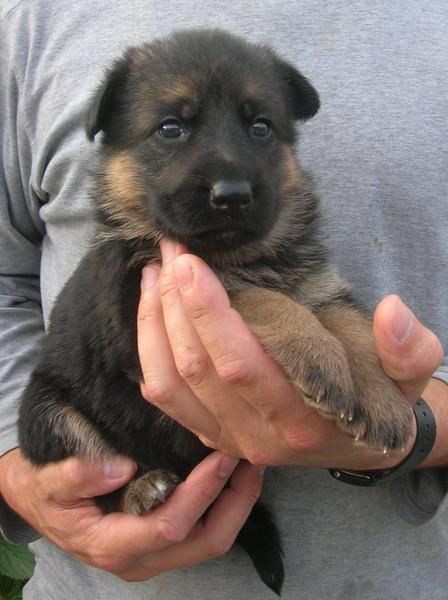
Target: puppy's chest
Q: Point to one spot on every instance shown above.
(309, 282)
(238, 278)
(309, 288)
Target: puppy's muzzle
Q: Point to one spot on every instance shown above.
(231, 196)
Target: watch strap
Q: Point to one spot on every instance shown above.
(424, 442)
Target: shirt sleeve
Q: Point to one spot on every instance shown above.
(442, 371)
(421, 495)
(21, 231)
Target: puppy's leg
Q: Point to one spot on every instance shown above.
(385, 413)
(148, 491)
(330, 358)
(52, 431)
(142, 494)
(314, 360)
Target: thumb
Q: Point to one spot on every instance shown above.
(74, 479)
(408, 351)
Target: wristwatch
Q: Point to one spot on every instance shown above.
(424, 441)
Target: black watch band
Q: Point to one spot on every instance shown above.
(424, 441)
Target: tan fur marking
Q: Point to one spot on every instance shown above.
(123, 198)
(77, 432)
(253, 90)
(293, 212)
(377, 394)
(330, 358)
(293, 176)
(179, 91)
(296, 340)
(140, 56)
(120, 179)
(318, 288)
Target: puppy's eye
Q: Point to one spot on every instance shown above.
(260, 128)
(171, 128)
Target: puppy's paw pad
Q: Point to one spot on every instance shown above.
(148, 491)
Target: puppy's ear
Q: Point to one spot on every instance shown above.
(302, 97)
(106, 99)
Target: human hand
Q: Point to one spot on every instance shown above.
(204, 368)
(56, 500)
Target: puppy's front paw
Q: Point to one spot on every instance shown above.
(314, 360)
(362, 399)
(148, 491)
(387, 414)
(323, 378)
(384, 416)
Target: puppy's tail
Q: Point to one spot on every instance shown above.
(261, 540)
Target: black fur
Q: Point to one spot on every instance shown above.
(89, 361)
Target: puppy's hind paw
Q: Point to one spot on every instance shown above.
(148, 491)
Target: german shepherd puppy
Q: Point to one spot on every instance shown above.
(198, 134)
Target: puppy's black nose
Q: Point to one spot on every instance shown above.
(231, 196)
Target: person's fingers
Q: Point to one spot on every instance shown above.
(74, 479)
(237, 356)
(57, 499)
(80, 528)
(408, 351)
(230, 411)
(170, 249)
(156, 359)
(214, 534)
(163, 386)
(233, 506)
(169, 524)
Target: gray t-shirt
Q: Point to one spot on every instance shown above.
(379, 153)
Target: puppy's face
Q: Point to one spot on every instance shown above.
(198, 130)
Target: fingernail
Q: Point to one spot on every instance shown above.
(117, 468)
(183, 273)
(402, 322)
(150, 276)
(227, 466)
